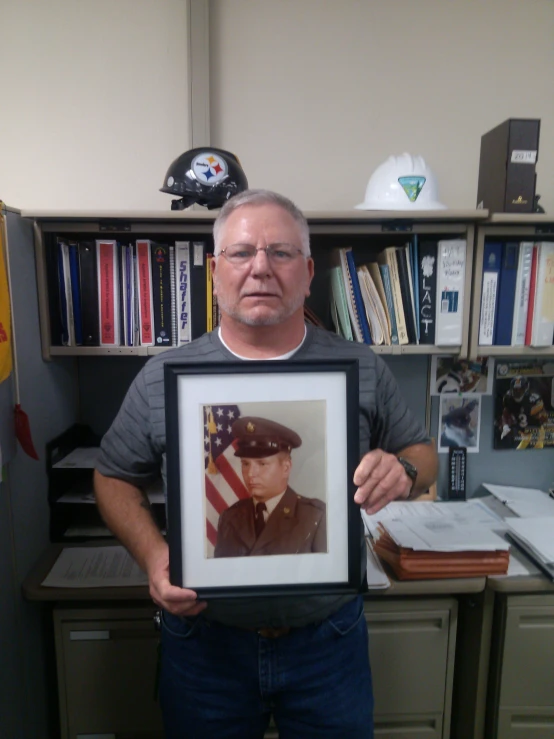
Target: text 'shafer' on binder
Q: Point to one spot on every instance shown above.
(509, 153)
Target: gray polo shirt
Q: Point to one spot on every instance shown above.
(133, 449)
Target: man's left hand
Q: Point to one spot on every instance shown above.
(380, 478)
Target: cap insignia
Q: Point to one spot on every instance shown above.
(250, 427)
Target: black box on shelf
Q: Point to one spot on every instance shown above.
(507, 162)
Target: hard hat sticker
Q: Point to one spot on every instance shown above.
(412, 186)
(209, 168)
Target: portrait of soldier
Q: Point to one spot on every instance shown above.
(275, 519)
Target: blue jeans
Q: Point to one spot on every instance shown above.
(220, 682)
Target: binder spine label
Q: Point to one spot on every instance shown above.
(145, 292)
(106, 274)
(521, 156)
(182, 259)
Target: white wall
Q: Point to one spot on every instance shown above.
(313, 95)
(94, 104)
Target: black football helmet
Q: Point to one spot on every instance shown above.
(519, 387)
(207, 176)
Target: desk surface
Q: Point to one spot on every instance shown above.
(33, 590)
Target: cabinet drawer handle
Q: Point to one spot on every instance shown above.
(91, 636)
(407, 725)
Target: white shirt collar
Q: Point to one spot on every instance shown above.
(270, 504)
(282, 356)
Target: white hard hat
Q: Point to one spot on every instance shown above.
(402, 183)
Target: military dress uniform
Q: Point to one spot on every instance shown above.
(297, 524)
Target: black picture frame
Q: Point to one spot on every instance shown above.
(305, 392)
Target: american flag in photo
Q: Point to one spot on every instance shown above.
(223, 479)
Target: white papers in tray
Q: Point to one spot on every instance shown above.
(94, 567)
(471, 512)
(524, 502)
(444, 535)
(537, 534)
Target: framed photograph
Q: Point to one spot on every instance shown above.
(260, 461)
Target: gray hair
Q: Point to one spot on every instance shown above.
(262, 197)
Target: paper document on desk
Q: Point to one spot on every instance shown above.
(471, 512)
(444, 535)
(537, 534)
(524, 502)
(95, 567)
(376, 575)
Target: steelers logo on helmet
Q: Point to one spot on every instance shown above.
(207, 176)
(209, 168)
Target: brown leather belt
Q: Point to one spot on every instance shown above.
(274, 633)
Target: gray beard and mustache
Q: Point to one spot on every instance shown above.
(286, 310)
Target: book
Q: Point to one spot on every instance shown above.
(75, 293)
(532, 290)
(127, 296)
(209, 294)
(145, 295)
(161, 294)
(64, 291)
(182, 297)
(88, 279)
(173, 291)
(198, 289)
(375, 273)
(392, 264)
(108, 292)
(427, 281)
(413, 251)
(542, 332)
(374, 311)
(385, 276)
(507, 160)
(506, 292)
(404, 271)
(350, 300)
(451, 267)
(338, 299)
(357, 295)
(492, 257)
(521, 300)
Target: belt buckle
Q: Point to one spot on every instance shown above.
(269, 633)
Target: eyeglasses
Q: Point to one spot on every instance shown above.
(242, 254)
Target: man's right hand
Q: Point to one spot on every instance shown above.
(179, 601)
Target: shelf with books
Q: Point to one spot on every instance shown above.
(398, 284)
(130, 252)
(512, 304)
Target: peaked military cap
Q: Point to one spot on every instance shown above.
(260, 437)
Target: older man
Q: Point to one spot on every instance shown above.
(275, 520)
(229, 664)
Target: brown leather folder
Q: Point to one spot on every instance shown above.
(409, 564)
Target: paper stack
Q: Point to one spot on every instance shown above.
(535, 537)
(419, 549)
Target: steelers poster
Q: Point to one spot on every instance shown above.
(524, 405)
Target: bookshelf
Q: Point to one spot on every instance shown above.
(368, 232)
(505, 227)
